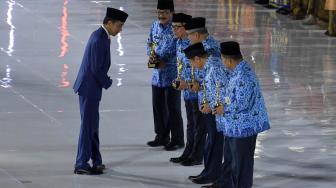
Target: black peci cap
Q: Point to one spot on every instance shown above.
(196, 49)
(165, 4)
(181, 18)
(196, 23)
(116, 14)
(230, 48)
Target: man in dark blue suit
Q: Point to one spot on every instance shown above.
(91, 79)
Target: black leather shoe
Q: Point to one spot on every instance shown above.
(157, 142)
(88, 171)
(201, 180)
(96, 171)
(100, 167)
(178, 159)
(82, 171)
(193, 177)
(214, 185)
(191, 162)
(172, 146)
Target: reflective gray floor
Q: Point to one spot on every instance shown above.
(42, 43)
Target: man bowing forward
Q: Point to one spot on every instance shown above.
(91, 79)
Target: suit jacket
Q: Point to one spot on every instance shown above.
(92, 75)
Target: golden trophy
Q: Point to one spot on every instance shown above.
(204, 98)
(218, 97)
(153, 61)
(193, 80)
(177, 81)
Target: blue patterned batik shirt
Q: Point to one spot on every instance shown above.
(245, 111)
(164, 37)
(186, 75)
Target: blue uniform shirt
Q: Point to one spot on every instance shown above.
(245, 111)
(217, 78)
(186, 75)
(166, 51)
(212, 47)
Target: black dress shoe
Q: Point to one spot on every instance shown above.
(178, 159)
(191, 162)
(82, 171)
(214, 185)
(202, 180)
(88, 171)
(193, 177)
(172, 146)
(100, 167)
(157, 142)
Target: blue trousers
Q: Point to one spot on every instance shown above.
(88, 143)
(213, 151)
(196, 131)
(237, 169)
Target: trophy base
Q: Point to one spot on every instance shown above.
(176, 84)
(152, 65)
(218, 105)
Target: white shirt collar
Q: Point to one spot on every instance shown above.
(108, 35)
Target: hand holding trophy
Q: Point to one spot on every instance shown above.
(219, 108)
(153, 61)
(176, 83)
(193, 85)
(205, 107)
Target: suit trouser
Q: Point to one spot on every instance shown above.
(167, 114)
(237, 169)
(213, 151)
(196, 132)
(88, 142)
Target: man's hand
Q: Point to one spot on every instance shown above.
(109, 84)
(162, 64)
(205, 108)
(195, 87)
(219, 110)
(183, 85)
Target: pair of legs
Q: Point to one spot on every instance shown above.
(196, 134)
(88, 143)
(196, 131)
(237, 169)
(167, 115)
(213, 152)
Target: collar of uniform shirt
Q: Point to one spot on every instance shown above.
(108, 35)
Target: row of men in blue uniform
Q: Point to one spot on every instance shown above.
(240, 116)
(223, 100)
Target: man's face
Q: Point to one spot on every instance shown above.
(228, 63)
(193, 37)
(179, 29)
(198, 62)
(164, 16)
(115, 27)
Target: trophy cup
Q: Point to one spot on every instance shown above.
(218, 99)
(177, 81)
(153, 61)
(204, 99)
(193, 80)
